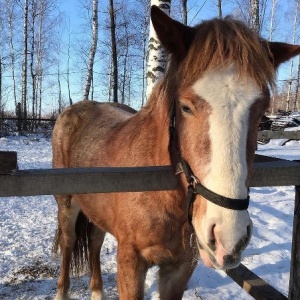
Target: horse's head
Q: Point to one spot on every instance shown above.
(218, 86)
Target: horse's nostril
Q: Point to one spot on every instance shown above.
(212, 244)
(228, 259)
(249, 232)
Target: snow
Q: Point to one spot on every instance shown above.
(28, 270)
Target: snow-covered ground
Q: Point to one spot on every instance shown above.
(28, 269)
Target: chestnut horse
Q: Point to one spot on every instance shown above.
(203, 116)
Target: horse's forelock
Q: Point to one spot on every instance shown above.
(217, 44)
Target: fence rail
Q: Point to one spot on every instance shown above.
(267, 172)
(280, 134)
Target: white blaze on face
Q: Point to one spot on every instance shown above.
(230, 98)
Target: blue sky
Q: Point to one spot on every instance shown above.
(209, 10)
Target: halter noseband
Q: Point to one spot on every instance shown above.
(194, 185)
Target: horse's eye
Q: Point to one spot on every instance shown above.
(186, 109)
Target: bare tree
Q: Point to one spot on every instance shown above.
(184, 11)
(157, 57)
(290, 82)
(33, 13)
(114, 50)
(24, 65)
(68, 63)
(274, 2)
(220, 8)
(92, 50)
(255, 15)
(11, 18)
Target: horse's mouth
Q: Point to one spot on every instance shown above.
(209, 259)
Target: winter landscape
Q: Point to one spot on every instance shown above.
(28, 270)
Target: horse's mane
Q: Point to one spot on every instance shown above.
(221, 42)
(217, 44)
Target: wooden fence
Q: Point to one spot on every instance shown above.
(280, 134)
(267, 172)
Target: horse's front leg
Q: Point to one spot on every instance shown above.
(174, 276)
(132, 269)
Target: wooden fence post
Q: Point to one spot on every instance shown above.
(294, 284)
(8, 162)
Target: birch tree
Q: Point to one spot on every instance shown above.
(145, 30)
(184, 11)
(157, 57)
(274, 2)
(24, 66)
(11, 18)
(255, 15)
(68, 63)
(93, 49)
(290, 82)
(114, 53)
(220, 8)
(272, 20)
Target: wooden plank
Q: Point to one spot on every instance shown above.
(253, 284)
(277, 173)
(87, 180)
(269, 134)
(263, 158)
(294, 288)
(106, 180)
(8, 162)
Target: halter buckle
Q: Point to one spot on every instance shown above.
(179, 169)
(194, 180)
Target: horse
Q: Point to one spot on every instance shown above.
(202, 118)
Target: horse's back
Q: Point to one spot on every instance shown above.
(82, 128)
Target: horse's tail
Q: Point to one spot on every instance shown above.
(80, 252)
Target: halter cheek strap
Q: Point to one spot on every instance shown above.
(196, 188)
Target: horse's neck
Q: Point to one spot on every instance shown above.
(145, 136)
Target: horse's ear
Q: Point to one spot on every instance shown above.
(282, 52)
(174, 36)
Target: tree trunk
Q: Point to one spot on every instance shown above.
(184, 11)
(157, 57)
(68, 64)
(270, 39)
(289, 92)
(59, 90)
(274, 2)
(32, 52)
(255, 15)
(220, 9)
(10, 16)
(93, 49)
(114, 50)
(295, 108)
(125, 63)
(145, 37)
(24, 67)
(39, 64)
(110, 81)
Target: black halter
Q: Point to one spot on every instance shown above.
(194, 186)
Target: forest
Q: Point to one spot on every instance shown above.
(54, 53)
